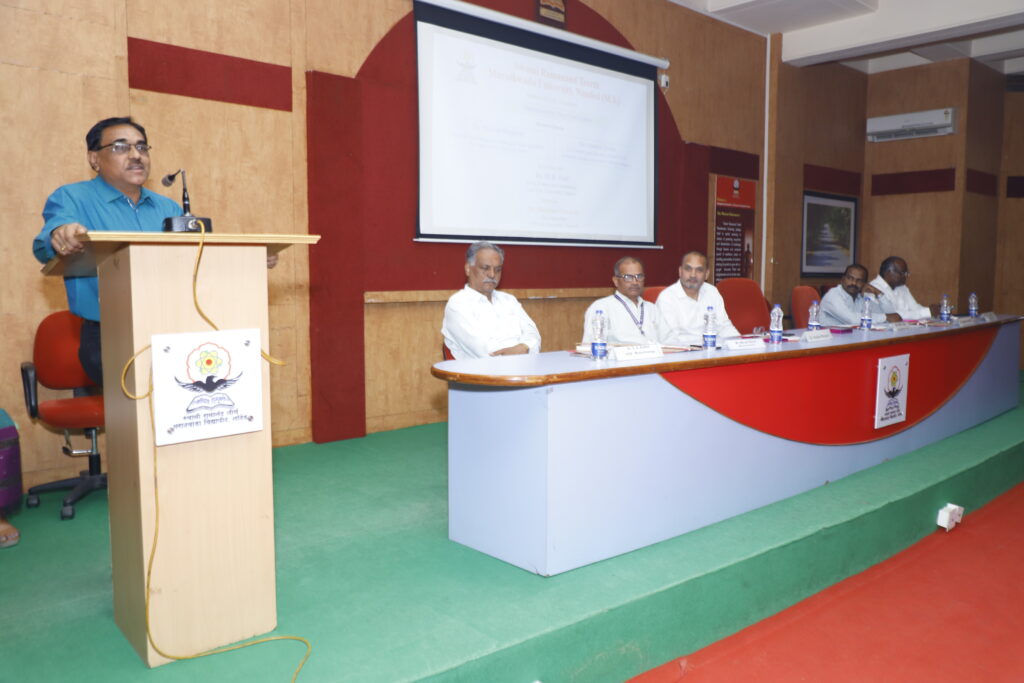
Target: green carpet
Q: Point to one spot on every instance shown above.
(366, 572)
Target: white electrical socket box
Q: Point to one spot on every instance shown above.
(949, 516)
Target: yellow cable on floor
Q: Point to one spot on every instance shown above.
(156, 493)
(149, 574)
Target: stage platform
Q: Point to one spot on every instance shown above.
(366, 572)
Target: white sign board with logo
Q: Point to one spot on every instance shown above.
(206, 385)
(891, 393)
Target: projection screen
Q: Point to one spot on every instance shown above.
(528, 138)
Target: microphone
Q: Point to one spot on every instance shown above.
(186, 222)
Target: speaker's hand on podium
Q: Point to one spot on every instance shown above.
(65, 239)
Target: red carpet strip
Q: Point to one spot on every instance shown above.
(949, 608)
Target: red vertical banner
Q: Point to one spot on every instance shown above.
(735, 200)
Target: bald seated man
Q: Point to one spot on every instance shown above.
(480, 321)
(683, 305)
(893, 294)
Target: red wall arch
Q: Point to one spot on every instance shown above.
(362, 163)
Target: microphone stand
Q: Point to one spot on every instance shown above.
(186, 222)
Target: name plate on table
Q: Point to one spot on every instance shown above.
(812, 336)
(744, 343)
(634, 351)
(989, 317)
(967, 321)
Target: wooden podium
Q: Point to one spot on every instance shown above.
(213, 577)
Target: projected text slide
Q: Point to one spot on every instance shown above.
(516, 143)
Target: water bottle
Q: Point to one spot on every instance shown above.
(812, 316)
(944, 309)
(865, 314)
(599, 342)
(775, 327)
(710, 328)
(972, 305)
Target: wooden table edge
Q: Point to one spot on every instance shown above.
(694, 363)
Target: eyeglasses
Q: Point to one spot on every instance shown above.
(122, 147)
(630, 277)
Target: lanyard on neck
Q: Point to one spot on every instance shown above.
(639, 323)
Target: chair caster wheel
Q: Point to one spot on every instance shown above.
(32, 501)
(67, 512)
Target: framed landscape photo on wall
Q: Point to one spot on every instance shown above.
(829, 235)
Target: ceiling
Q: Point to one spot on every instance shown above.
(881, 35)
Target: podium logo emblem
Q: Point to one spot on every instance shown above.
(895, 383)
(208, 369)
(206, 385)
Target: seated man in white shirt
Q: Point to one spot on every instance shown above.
(630, 319)
(893, 294)
(842, 305)
(480, 321)
(683, 305)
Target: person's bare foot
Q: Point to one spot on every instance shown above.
(8, 534)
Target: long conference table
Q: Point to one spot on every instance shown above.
(556, 460)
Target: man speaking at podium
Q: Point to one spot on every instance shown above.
(118, 151)
(480, 321)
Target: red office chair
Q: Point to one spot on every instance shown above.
(800, 300)
(744, 303)
(651, 294)
(55, 365)
(446, 352)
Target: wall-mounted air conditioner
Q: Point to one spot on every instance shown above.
(918, 124)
